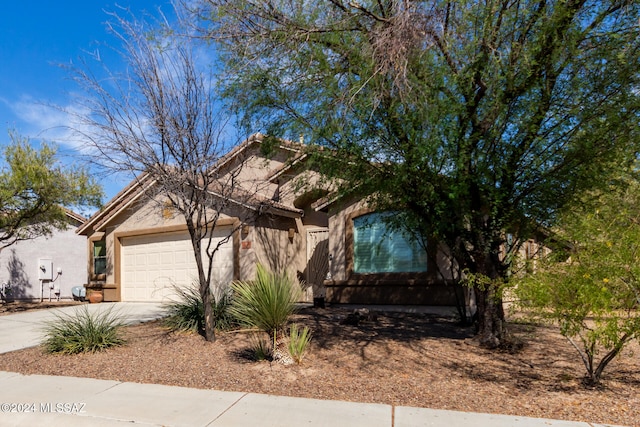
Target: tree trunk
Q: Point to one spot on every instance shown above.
(490, 316)
(612, 354)
(209, 318)
(203, 284)
(489, 300)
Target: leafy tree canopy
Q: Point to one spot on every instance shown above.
(591, 287)
(35, 189)
(475, 117)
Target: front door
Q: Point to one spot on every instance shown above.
(317, 260)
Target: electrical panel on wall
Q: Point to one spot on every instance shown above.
(45, 269)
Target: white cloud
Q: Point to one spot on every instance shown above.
(41, 120)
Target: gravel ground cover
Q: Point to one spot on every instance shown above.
(397, 359)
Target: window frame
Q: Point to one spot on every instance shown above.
(350, 236)
(94, 274)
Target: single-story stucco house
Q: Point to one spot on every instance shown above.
(47, 266)
(340, 250)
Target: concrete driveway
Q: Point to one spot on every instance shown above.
(25, 329)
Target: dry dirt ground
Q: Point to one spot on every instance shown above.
(20, 306)
(398, 359)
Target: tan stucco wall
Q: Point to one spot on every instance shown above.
(266, 241)
(251, 172)
(277, 241)
(273, 248)
(145, 214)
(269, 243)
(297, 182)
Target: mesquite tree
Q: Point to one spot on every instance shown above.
(479, 119)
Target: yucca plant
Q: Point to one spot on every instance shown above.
(299, 340)
(186, 311)
(83, 332)
(265, 303)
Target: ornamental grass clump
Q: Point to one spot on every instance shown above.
(186, 311)
(260, 347)
(83, 332)
(266, 303)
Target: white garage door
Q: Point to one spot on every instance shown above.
(153, 265)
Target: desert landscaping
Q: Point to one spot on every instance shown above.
(393, 358)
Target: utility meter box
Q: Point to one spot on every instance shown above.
(45, 269)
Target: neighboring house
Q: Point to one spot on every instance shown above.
(63, 256)
(138, 251)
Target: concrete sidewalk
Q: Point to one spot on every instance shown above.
(36, 400)
(67, 401)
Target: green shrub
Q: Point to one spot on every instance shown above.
(266, 302)
(83, 332)
(224, 320)
(186, 311)
(299, 340)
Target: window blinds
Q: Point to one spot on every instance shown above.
(379, 249)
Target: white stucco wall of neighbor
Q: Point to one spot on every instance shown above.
(19, 265)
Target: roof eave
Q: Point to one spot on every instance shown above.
(114, 206)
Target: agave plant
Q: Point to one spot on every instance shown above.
(265, 303)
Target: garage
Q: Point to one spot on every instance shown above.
(153, 265)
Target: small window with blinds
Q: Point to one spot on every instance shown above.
(378, 248)
(99, 257)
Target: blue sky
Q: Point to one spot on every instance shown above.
(36, 36)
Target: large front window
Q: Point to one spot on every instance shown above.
(378, 248)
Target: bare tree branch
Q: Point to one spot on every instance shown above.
(160, 120)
